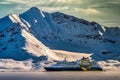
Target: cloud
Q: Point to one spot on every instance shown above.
(5, 3)
(88, 11)
(25, 2)
(92, 11)
(16, 1)
(53, 9)
(68, 1)
(98, 10)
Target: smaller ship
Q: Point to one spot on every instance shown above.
(83, 65)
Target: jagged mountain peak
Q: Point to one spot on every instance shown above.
(34, 9)
(34, 12)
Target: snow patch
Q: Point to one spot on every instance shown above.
(42, 14)
(28, 24)
(110, 65)
(14, 18)
(35, 21)
(12, 65)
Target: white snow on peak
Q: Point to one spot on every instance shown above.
(42, 14)
(27, 24)
(14, 18)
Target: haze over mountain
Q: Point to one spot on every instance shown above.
(42, 36)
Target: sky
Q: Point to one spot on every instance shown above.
(105, 12)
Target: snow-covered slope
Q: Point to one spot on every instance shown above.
(34, 34)
(59, 31)
(20, 38)
(17, 43)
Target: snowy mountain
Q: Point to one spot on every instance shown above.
(16, 42)
(59, 31)
(39, 35)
